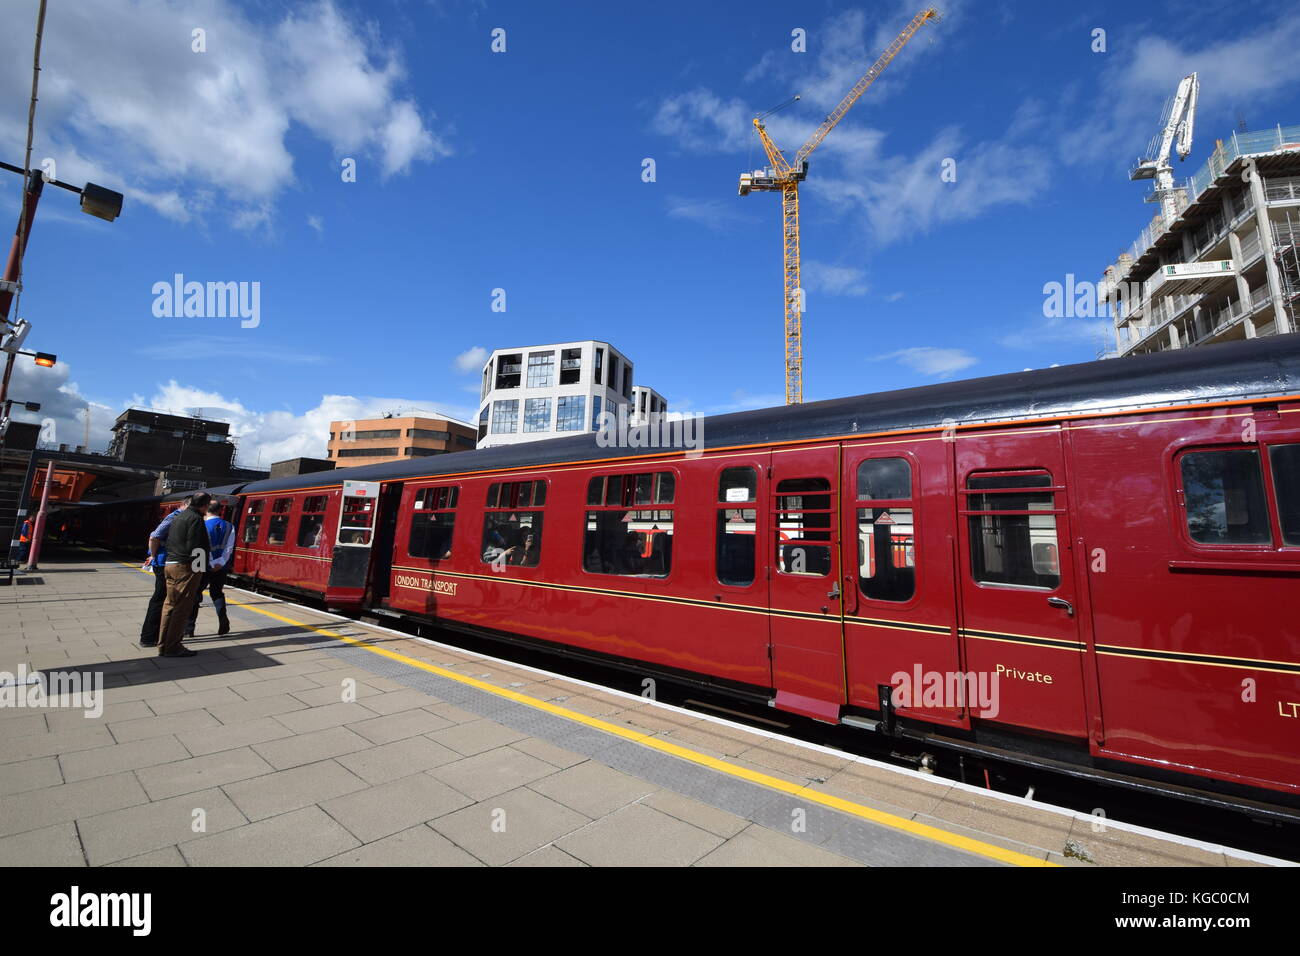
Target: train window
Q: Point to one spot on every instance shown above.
(357, 521)
(278, 526)
(1285, 460)
(737, 484)
(516, 494)
(628, 532)
(253, 521)
(1012, 521)
(886, 530)
(737, 528)
(512, 534)
(432, 523)
(311, 526)
(1223, 494)
(803, 516)
(884, 479)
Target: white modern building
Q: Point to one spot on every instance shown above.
(548, 391)
(645, 402)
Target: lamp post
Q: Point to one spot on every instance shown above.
(95, 201)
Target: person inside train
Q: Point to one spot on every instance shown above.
(526, 553)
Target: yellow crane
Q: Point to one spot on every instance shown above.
(785, 177)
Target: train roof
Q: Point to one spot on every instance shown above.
(1262, 368)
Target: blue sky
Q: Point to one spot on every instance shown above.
(521, 170)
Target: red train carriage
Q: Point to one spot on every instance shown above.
(1113, 548)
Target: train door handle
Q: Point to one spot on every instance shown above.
(834, 592)
(1063, 604)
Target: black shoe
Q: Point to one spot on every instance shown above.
(181, 651)
(186, 635)
(224, 627)
(144, 643)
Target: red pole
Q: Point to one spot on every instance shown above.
(22, 235)
(39, 528)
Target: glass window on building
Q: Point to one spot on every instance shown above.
(541, 369)
(508, 370)
(505, 416)
(627, 380)
(595, 413)
(569, 415)
(570, 366)
(483, 423)
(537, 415)
(596, 369)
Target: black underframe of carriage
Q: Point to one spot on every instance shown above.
(1054, 756)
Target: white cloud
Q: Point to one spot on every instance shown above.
(471, 360)
(894, 296)
(197, 132)
(833, 280)
(716, 214)
(316, 223)
(936, 362)
(264, 437)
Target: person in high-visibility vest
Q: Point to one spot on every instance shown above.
(25, 539)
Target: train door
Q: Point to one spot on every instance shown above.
(390, 503)
(898, 580)
(807, 624)
(353, 540)
(1017, 587)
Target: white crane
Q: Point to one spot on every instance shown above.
(1179, 120)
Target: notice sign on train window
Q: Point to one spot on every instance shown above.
(738, 494)
(360, 489)
(884, 518)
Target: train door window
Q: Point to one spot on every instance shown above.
(278, 527)
(1012, 522)
(512, 524)
(886, 530)
(311, 526)
(629, 524)
(432, 523)
(803, 521)
(1223, 497)
(1285, 463)
(253, 521)
(357, 521)
(737, 526)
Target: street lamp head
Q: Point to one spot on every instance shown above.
(32, 406)
(100, 202)
(46, 360)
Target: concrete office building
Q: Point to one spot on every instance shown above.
(373, 440)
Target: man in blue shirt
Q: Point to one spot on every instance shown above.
(157, 560)
(221, 534)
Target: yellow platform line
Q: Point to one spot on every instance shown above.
(803, 792)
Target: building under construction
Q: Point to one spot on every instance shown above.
(1220, 260)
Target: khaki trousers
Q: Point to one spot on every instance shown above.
(183, 587)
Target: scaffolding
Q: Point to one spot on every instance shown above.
(1286, 242)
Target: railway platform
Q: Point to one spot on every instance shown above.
(303, 738)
